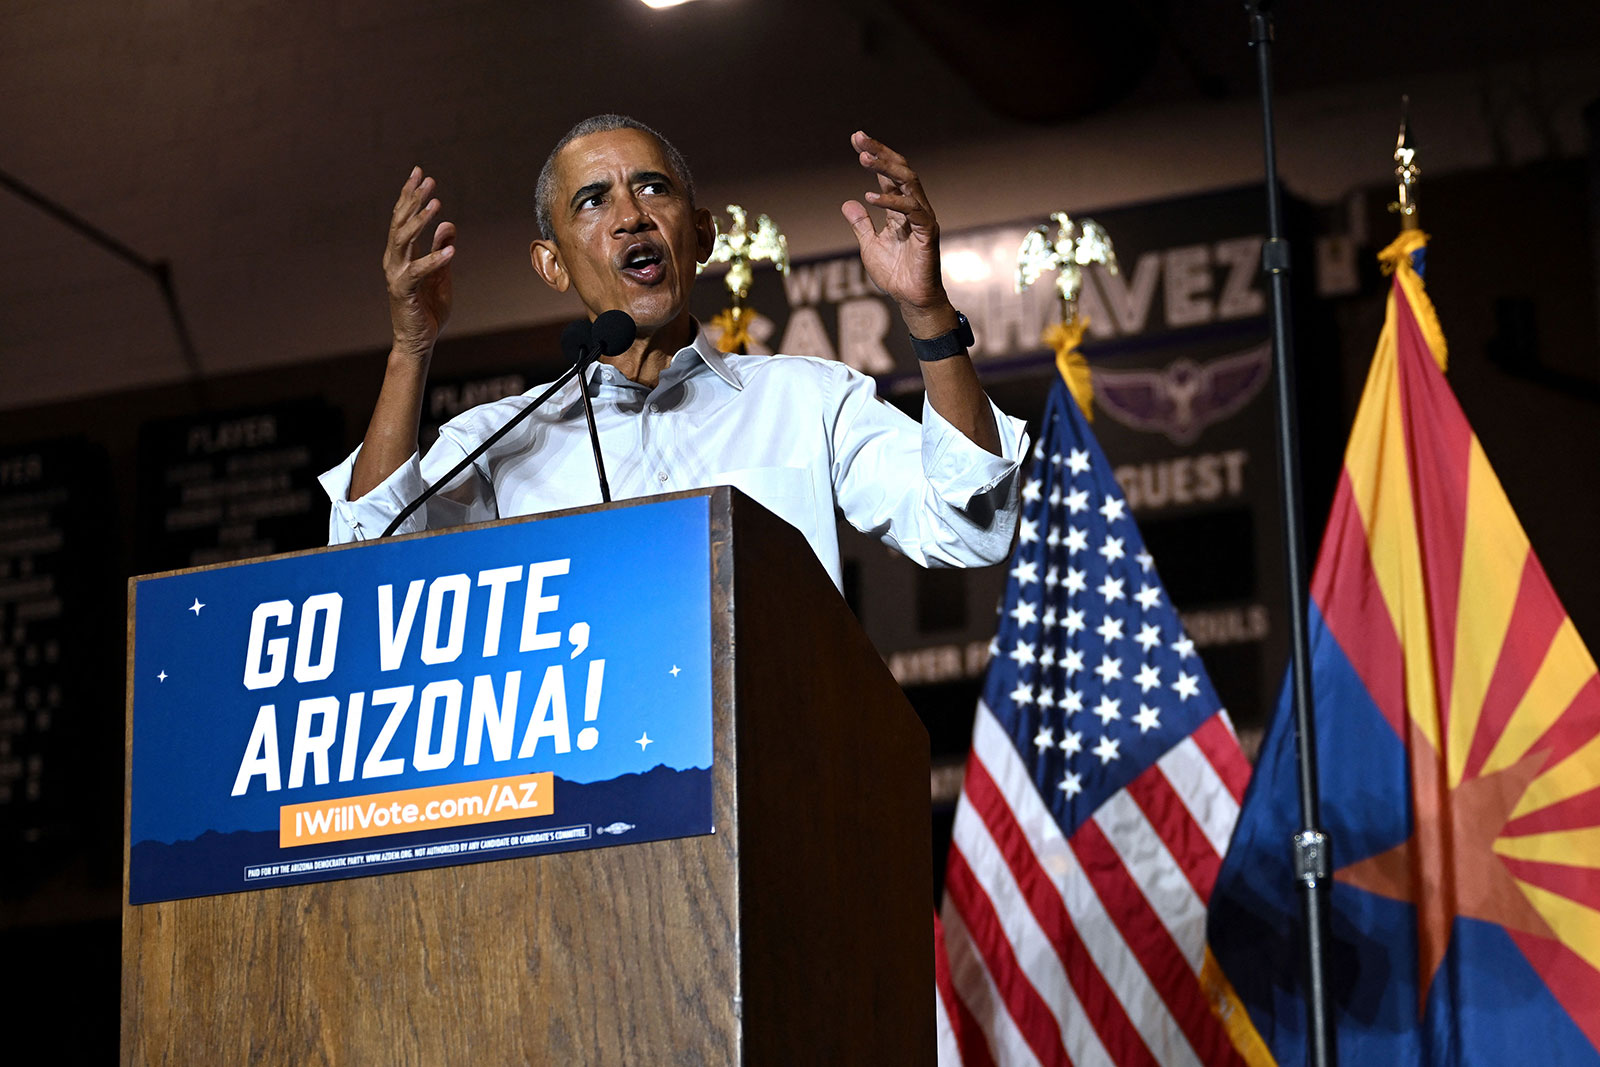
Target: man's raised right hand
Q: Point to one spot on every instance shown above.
(419, 285)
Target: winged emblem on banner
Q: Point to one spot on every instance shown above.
(1184, 397)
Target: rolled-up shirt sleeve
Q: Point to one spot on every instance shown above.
(469, 498)
(939, 499)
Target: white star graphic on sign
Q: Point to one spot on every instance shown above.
(1071, 701)
(1047, 697)
(1076, 582)
(1053, 538)
(1146, 560)
(1072, 784)
(1183, 647)
(1055, 496)
(1030, 491)
(1148, 597)
(1149, 677)
(1112, 509)
(1187, 685)
(1049, 620)
(1106, 750)
(1077, 540)
(1078, 500)
(1025, 571)
(195, 607)
(161, 677)
(1072, 661)
(644, 740)
(1109, 629)
(1023, 653)
(1149, 636)
(1109, 710)
(1044, 738)
(1110, 669)
(1028, 531)
(1024, 613)
(1078, 461)
(1112, 549)
(1022, 694)
(1148, 718)
(676, 670)
(1047, 658)
(1052, 577)
(1111, 589)
(1055, 457)
(1074, 621)
(1071, 742)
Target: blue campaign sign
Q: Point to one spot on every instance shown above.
(479, 694)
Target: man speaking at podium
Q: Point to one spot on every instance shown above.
(802, 436)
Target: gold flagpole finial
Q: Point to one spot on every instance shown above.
(1406, 171)
(740, 247)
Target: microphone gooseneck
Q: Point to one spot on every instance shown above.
(611, 333)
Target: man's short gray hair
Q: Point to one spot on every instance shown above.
(545, 191)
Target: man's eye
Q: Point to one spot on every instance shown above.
(657, 188)
(591, 201)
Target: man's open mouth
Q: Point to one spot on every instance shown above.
(643, 263)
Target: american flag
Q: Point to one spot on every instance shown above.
(1103, 783)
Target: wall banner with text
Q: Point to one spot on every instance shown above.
(480, 694)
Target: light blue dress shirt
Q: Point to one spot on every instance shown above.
(801, 436)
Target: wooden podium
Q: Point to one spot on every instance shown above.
(798, 933)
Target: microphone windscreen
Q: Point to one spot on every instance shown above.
(614, 332)
(575, 337)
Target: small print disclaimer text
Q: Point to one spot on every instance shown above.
(378, 858)
(428, 808)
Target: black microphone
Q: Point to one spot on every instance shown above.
(614, 333)
(610, 334)
(576, 340)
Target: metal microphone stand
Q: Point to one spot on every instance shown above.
(1310, 844)
(588, 413)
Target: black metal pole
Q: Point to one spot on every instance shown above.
(594, 434)
(1310, 845)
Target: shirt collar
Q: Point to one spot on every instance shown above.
(701, 347)
(713, 357)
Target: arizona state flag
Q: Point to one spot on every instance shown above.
(1458, 736)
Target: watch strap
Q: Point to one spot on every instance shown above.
(953, 343)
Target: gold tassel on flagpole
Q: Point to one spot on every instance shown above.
(1063, 339)
(733, 324)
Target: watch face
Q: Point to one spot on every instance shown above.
(963, 330)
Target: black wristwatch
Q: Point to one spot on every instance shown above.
(945, 345)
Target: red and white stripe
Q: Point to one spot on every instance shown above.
(1088, 951)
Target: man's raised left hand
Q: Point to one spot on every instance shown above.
(902, 258)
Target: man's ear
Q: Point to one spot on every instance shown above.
(705, 234)
(546, 257)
